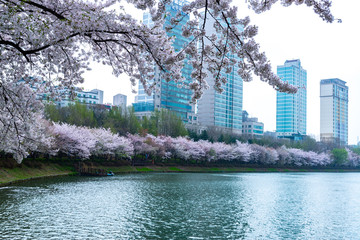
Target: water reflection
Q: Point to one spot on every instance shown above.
(184, 206)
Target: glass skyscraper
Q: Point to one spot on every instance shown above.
(223, 110)
(334, 111)
(291, 108)
(169, 95)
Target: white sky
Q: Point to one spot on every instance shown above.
(325, 51)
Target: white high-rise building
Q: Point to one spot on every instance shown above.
(334, 111)
(120, 100)
(222, 110)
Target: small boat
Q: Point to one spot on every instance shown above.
(110, 173)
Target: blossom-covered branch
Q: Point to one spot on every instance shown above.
(53, 43)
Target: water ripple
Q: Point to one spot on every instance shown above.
(184, 206)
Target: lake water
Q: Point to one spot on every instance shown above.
(184, 206)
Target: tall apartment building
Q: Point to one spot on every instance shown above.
(334, 111)
(120, 100)
(291, 108)
(169, 95)
(222, 110)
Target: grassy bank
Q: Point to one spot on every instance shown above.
(24, 172)
(154, 168)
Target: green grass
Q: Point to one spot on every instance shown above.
(175, 169)
(8, 175)
(230, 169)
(272, 170)
(250, 169)
(214, 169)
(121, 169)
(144, 169)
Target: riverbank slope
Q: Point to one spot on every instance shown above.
(41, 169)
(23, 172)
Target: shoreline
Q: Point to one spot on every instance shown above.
(201, 169)
(10, 176)
(23, 173)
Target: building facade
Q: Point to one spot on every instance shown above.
(291, 108)
(100, 94)
(334, 111)
(169, 95)
(120, 100)
(81, 96)
(251, 126)
(222, 110)
(66, 97)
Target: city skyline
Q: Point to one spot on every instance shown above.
(326, 51)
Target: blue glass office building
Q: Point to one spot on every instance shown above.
(291, 108)
(169, 95)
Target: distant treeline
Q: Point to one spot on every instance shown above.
(64, 142)
(164, 122)
(120, 121)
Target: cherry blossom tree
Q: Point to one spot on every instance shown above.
(142, 145)
(353, 158)
(21, 126)
(55, 41)
(73, 140)
(108, 143)
(242, 151)
(83, 142)
(223, 151)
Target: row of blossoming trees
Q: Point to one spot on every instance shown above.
(88, 143)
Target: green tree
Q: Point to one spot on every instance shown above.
(221, 138)
(133, 123)
(193, 135)
(122, 122)
(356, 150)
(171, 124)
(76, 114)
(80, 115)
(204, 135)
(52, 112)
(340, 156)
(309, 144)
(164, 122)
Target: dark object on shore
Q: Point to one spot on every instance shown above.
(85, 170)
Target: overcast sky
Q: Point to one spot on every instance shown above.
(325, 51)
